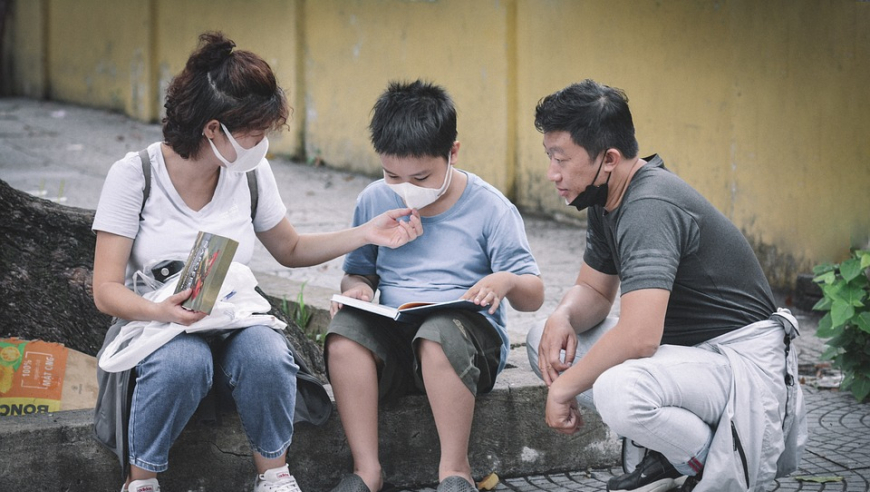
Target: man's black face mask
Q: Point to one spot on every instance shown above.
(593, 195)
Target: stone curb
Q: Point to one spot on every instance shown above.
(509, 437)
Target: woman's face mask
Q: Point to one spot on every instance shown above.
(246, 159)
(419, 197)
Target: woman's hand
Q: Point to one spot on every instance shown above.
(170, 310)
(387, 230)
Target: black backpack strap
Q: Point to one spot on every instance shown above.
(255, 192)
(146, 170)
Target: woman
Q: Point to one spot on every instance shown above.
(218, 113)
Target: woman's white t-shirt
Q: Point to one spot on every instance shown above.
(169, 227)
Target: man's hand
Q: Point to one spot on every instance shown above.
(387, 230)
(170, 310)
(558, 335)
(563, 417)
(490, 290)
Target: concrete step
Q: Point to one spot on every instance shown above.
(509, 437)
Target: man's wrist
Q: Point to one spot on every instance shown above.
(562, 314)
(559, 393)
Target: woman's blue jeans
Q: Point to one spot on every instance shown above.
(254, 365)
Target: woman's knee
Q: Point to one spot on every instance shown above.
(262, 353)
(180, 363)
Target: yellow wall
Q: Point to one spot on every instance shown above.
(354, 48)
(762, 106)
(109, 69)
(24, 49)
(265, 27)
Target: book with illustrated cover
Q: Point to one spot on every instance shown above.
(205, 270)
(410, 311)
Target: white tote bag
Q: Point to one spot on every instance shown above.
(236, 307)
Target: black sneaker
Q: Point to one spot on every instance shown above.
(689, 484)
(632, 455)
(654, 474)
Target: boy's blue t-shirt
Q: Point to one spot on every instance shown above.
(480, 234)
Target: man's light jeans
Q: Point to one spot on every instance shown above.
(668, 402)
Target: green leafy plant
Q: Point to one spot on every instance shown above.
(846, 323)
(301, 315)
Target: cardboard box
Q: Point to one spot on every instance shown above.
(42, 377)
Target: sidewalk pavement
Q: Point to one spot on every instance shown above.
(63, 152)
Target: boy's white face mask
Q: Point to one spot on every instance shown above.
(246, 159)
(419, 197)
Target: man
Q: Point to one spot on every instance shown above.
(697, 367)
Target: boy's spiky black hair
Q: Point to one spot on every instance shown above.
(416, 119)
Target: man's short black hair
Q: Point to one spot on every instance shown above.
(596, 116)
(414, 119)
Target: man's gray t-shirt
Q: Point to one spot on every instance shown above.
(665, 235)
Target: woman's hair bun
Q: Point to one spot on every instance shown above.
(213, 49)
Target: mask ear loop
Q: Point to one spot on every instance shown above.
(447, 179)
(602, 165)
(599, 170)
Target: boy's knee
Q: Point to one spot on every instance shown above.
(430, 353)
(340, 348)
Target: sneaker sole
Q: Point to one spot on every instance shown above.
(662, 485)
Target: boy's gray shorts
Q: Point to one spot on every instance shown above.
(470, 342)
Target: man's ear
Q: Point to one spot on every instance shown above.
(612, 157)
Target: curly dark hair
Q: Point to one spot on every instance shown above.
(235, 87)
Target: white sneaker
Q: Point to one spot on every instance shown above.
(276, 480)
(149, 485)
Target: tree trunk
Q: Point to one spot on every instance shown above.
(46, 271)
(46, 278)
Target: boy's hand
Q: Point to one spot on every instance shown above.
(387, 230)
(490, 290)
(359, 291)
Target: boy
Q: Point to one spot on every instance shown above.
(473, 247)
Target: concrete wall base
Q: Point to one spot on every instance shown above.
(56, 451)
